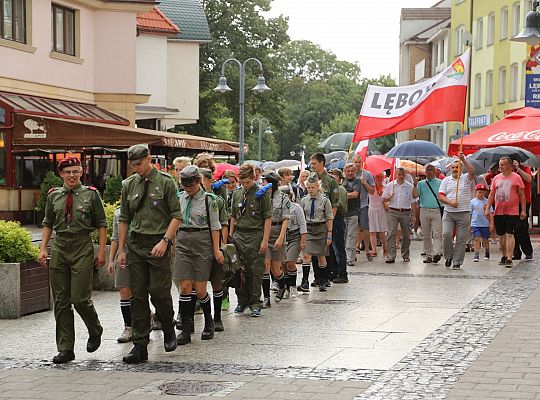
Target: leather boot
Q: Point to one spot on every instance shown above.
(208, 331)
(184, 337)
(169, 340)
(137, 354)
(63, 357)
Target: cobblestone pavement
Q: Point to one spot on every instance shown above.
(393, 332)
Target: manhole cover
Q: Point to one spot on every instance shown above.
(337, 302)
(191, 388)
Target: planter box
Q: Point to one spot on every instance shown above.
(24, 289)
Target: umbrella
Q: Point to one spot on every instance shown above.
(491, 156)
(337, 141)
(412, 168)
(222, 167)
(377, 164)
(444, 165)
(267, 165)
(517, 129)
(336, 164)
(415, 149)
(292, 164)
(254, 162)
(335, 155)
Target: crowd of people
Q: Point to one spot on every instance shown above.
(168, 231)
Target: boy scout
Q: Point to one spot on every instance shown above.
(73, 211)
(251, 219)
(197, 247)
(338, 255)
(150, 211)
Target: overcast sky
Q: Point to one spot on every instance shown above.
(366, 31)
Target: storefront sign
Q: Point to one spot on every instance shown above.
(532, 77)
(33, 126)
(478, 121)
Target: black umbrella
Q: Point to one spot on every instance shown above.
(415, 149)
(491, 156)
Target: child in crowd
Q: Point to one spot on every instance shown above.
(479, 223)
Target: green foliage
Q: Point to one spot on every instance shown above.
(16, 243)
(342, 122)
(382, 144)
(113, 189)
(50, 181)
(109, 213)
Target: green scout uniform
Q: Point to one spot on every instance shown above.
(72, 258)
(330, 188)
(250, 214)
(148, 223)
(343, 201)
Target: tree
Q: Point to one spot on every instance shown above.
(342, 122)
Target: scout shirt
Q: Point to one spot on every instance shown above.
(322, 210)
(330, 188)
(281, 207)
(87, 210)
(343, 201)
(159, 206)
(222, 209)
(193, 210)
(297, 219)
(249, 211)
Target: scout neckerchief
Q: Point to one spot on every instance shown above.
(312, 211)
(187, 212)
(68, 210)
(145, 193)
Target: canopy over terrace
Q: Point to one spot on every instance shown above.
(520, 129)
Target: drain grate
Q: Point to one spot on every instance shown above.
(332, 301)
(191, 388)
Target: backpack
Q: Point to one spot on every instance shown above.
(234, 265)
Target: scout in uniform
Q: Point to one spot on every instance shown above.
(296, 240)
(121, 282)
(197, 247)
(73, 211)
(331, 191)
(149, 218)
(277, 245)
(251, 220)
(318, 212)
(217, 274)
(338, 255)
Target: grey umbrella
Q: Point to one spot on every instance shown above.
(491, 156)
(294, 164)
(415, 149)
(337, 141)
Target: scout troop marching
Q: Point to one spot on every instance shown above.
(268, 225)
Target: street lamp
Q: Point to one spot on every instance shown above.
(260, 87)
(531, 33)
(268, 131)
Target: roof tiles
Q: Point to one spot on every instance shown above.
(189, 15)
(155, 21)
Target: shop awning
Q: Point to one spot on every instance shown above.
(30, 132)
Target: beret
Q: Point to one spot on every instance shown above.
(138, 151)
(69, 162)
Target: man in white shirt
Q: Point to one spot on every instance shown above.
(401, 195)
(457, 212)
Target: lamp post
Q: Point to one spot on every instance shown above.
(268, 131)
(531, 33)
(260, 87)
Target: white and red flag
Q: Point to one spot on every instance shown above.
(441, 98)
(362, 149)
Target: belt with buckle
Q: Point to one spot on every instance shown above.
(400, 209)
(193, 229)
(316, 223)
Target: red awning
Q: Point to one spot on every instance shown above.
(519, 129)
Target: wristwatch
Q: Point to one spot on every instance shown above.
(166, 239)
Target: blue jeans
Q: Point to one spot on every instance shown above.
(338, 255)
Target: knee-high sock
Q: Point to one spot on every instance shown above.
(218, 299)
(323, 272)
(125, 307)
(185, 311)
(266, 285)
(305, 271)
(193, 302)
(207, 309)
(281, 280)
(292, 278)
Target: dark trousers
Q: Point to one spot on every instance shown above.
(521, 236)
(338, 255)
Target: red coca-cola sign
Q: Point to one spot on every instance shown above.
(514, 136)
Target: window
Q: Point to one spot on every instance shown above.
(514, 79)
(502, 85)
(3, 158)
(460, 45)
(491, 29)
(516, 19)
(435, 52)
(489, 88)
(477, 91)
(13, 20)
(442, 52)
(30, 170)
(63, 30)
(504, 23)
(479, 33)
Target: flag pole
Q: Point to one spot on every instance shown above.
(349, 152)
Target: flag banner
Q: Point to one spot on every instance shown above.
(441, 98)
(362, 149)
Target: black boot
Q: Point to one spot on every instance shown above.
(184, 337)
(218, 300)
(208, 331)
(169, 340)
(178, 320)
(137, 354)
(63, 357)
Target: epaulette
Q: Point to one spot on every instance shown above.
(165, 173)
(92, 188)
(52, 190)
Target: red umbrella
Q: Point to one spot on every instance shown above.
(377, 164)
(519, 129)
(222, 167)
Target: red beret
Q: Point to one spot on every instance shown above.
(69, 162)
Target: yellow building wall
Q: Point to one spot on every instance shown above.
(502, 53)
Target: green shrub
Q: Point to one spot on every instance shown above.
(109, 213)
(113, 189)
(50, 181)
(16, 243)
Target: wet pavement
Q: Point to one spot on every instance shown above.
(404, 330)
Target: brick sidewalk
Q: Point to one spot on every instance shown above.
(510, 366)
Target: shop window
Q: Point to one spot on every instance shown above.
(63, 30)
(100, 167)
(13, 20)
(3, 160)
(30, 170)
